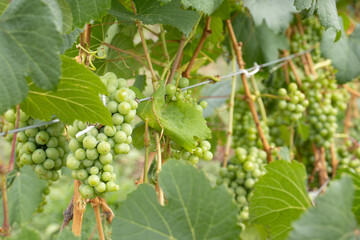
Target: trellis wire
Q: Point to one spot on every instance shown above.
(248, 72)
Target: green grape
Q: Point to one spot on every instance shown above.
(170, 89)
(183, 82)
(101, 187)
(52, 153)
(124, 108)
(38, 156)
(82, 174)
(93, 180)
(86, 191)
(103, 147)
(89, 142)
(42, 137)
(49, 164)
(26, 159)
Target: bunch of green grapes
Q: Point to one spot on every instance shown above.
(244, 130)
(93, 152)
(296, 106)
(312, 35)
(349, 157)
(202, 151)
(244, 170)
(44, 148)
(325, 101)
(176, 94)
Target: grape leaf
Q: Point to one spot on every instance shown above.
(140, 82)
(116, 61)
(27, 234)
(332, 217)
(151, 12)
(62, 15)
(205, 6)
(24, 196)
(260, 44)
(326, 10)
(194, 209)
(276, 13)
(344, 54)
(356, 180)
(280, 198)
(180, 120)
(77, 97)
(69, 40)
(83, 10)
(29, 45)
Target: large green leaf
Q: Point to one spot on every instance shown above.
(276, 13)
(83, 10)
(326, 10)
(77, 97)
(194, 210)
(180, 120)
(356, 181)
(260, 44)
(332, 217)
(280, 198)
(24, 196)
(29, 45)
(205, 6)
(344, 54)
(151, 12)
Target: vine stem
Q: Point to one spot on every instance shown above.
(79, 209)
(352, 91)
(258, 99)
(293, 69)
(231, 113)
(147, 150)
(13, 145)
(182, 44)
(146, 50)
(307, 55)
(248, 96)
(206, 33)
(6, 228)
(158, 169)
(95, 203)
(163, 41)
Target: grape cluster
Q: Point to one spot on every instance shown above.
(44, 148)
(244, 130)
(312, 36)
(202, 151)
(245, 168)
(193, 157)
(296, 106)
(176, 94)
(325, 101)
(94, 151)
(349, 157)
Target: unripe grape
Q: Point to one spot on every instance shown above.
(89, 142)
(124, 108)
(93, 180)
(42, 137)
(38, 156)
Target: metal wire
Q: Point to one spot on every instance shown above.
(248, 72)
